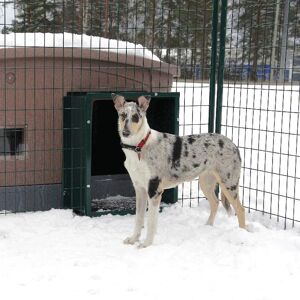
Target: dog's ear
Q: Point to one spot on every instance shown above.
(143, 102)
(119, 101)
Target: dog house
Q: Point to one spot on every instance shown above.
(95, 179)
(33, 83)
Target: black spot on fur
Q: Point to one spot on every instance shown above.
(194, 156)
(191, 139)
(175, 176)
(186, 152)
(176, 152)
(206, 145)
(165, 135)
(123, 116)
(228, 175)
(233, 188)
(185, 169)
(135, 118)
(221, 143)
(205, 161)
(196, 165)
(153, 186)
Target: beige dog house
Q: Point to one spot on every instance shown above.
(33, 81)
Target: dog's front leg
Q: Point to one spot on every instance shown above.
(153, 211)
(141, 205)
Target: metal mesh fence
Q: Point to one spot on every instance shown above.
(261, 102)
(53, 47)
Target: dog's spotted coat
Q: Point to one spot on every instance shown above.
(168, 160)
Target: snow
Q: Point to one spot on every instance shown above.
(71, 40)
(58, 254)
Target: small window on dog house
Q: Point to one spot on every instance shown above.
(95, 179)
(12, 141)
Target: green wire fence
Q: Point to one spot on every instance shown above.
(235, 63)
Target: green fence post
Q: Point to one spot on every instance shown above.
(213, 62)
(221, 66)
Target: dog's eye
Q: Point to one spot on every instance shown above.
(123, 116)
(135, 118)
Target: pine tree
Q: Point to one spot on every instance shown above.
(107, 18)
(254, 29)
(34, 16)
(96, 17)
(195, 34)
(178, 31)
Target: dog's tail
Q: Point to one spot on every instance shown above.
(226, 204)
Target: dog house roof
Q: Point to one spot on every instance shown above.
(68, 45)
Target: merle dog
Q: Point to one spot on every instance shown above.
(157, 161)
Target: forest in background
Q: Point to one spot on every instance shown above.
(177, 31)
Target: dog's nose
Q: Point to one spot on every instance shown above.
(126, 133)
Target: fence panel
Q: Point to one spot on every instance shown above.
(260, 110)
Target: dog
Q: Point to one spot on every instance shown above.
(157, 161)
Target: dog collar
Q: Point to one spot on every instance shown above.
(139, 147)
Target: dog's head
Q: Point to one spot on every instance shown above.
(131, 114)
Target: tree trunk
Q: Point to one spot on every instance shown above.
(255, 44)
(168, 40)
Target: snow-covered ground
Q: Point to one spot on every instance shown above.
(55, 255)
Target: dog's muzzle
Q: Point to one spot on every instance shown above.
(126, 133)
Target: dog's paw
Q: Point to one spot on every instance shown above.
(252, 227)
(130, 240)
(209, 223)
(143, 245)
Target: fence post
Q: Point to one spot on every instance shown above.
(221, 66)
(213, 62)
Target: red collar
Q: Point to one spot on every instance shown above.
(139, 147)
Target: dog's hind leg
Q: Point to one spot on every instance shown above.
(231, 192)
(226, 204)
(141, 205)
(207, 182)
(239, 209)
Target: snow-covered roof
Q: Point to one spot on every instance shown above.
(70, 40)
